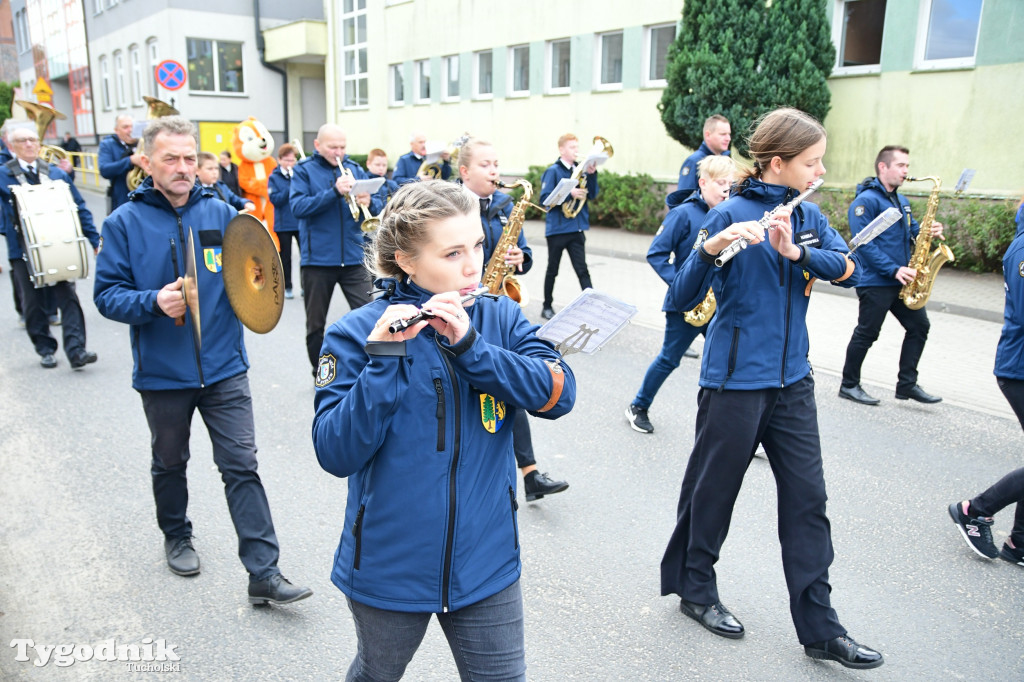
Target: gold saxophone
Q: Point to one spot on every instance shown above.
(927, 263)
(701, 315)
(498, 277)
(573, 207)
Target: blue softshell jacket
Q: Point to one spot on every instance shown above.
(555, 221)
(688, 171)
(891, 250)
(758, 336)
(494, 222)
(144, 245)
(280, 188)
(221, 191)
(328, 235)
(676, 240)
(1010, 350)
(408, 165)
(430, 522)
(7, 228)
(113, 157)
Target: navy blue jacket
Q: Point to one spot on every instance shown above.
(280, 188)
(14, 238)
(328, 235)
(114, 166)
(136, 262)
(555, 221)
(494, 222)
(409, 164)
(758, 336)
(430, 522)
(892, 249)
(1010, 350)
(221, 190)
(688, 171)
(676, 241)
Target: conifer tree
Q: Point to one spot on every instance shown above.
(799, 55)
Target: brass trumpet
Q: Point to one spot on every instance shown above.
(573, 207)
(370, 222)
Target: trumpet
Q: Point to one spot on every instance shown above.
(353, 205)
(574, 206)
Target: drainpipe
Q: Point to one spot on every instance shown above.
(261, 48)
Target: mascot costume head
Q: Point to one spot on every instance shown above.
(254, 146)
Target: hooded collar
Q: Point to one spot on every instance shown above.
(759, 190)
(402, 291)
(694, 195)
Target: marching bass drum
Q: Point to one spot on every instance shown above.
(55, 249)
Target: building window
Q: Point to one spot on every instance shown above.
(422, 69)
(657, 40)
(111, 3)
(947, 33)
(450, 66)
(484, 74)
(153, 59)
(105, 82)
(214, 66)
(609, 56)
(519, 71)
(397, 88)
(558, 66)
(21, 32)
(119, 88)
(857, 34)
(97, 6)
(135, 59)
(354, 72)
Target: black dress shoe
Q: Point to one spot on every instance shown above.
(547, 313)
(915, 393)
(85, 357)
(181, 556)
(537, 485)
(48, 361)
(845, 651)
(857, 395)
(713, 617)
(276, 590)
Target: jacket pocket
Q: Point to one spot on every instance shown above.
(137, 348)
(733, 353)
(357, 533)
(515, 523)
(439, 390)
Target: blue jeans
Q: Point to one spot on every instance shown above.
(486, 639)
(678, 337)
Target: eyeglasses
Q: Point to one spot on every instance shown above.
(21, 140)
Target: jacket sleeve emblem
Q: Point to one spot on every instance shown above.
(858, 211)
(492, 413)
(213, 259)
(326, 370)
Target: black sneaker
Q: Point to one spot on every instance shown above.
(977, 531)
(1015, 555)
(638, 420)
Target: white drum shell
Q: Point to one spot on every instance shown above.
(55, 249)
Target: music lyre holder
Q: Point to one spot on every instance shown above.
(576, 341)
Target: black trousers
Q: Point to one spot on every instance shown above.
(14, 291)
(522, 440)
(286, 239)
(318, 283)
(575, 244)
(34, 308)
(226, 409)
(1010, 488)
(875, 302)
(730, 424)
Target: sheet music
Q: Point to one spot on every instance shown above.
(561, 191)
(592, 319)
(596, 158)
(965, 179)
(367, 186)
(138, 127)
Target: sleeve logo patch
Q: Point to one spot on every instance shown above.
(213, 259)
(1020, 268)
(686, 170)
(858, 211)
(701, 238)
(326, 370)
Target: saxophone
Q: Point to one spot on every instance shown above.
(701, 315)
(498, 277)
(916, 292)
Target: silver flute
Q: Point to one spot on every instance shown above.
(401, 325)
(728, 252)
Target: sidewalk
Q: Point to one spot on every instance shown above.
(965, 310)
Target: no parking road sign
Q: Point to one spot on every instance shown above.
(170, 74)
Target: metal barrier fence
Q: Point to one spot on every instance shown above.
(86, 162)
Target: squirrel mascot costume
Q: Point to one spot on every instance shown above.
(254, 146)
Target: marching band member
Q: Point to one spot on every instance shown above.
(562, 233)
(756, 386)
(26, 168)
(883, 275)
(228, 170)
(116, 158)
(208, 176)
(678, 237)
(408, 167)
(138, 282)
(318, 198)
(377, 167)
(717, 136)
(414, 421)
(285, 224)
(478, 170)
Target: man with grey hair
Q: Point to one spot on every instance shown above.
(408, 166)
(116, 158)
(138, 281)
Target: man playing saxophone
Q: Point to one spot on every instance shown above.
(883, 274)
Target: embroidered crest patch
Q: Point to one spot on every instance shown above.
(212, 259)
(858, 211)
(492, 413)
(326, 370)
(701, 238)
(99, 248)
(1020, 268)
(686, 170)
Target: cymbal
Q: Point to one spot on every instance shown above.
(253, 274)
(191, 290)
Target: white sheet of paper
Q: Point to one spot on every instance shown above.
(367, 186)
(561, 191)
(965, 179)
(596, 158)
(591, 311)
